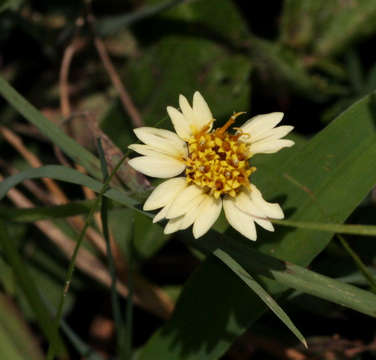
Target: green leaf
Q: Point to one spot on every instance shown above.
(324, 180)
(66, 174)
(16, 340)
(257, 288)
(216, 302)
(46, 212)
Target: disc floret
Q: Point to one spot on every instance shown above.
(218, 162)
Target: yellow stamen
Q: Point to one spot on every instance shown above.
(218, 161)
(230, 121)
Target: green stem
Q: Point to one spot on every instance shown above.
(68, 279)
(359, 263)
(111, 263)
(129, 308)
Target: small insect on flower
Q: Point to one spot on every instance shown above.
(215, 168)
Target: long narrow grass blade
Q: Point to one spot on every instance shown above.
(74, 150)
(258, 289)
(364, 230)
(66, 174)
(359, 263)
(293, 276)
(46, 212)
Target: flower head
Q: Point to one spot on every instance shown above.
(215, 165)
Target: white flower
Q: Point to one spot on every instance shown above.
(214, 166)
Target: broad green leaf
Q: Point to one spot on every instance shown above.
(16, 339)
(214, 298)
(29, 288)
(257, 288)
(325, 180)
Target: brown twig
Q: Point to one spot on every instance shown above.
(68, 55)
(125, 98)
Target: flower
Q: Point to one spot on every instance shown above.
(215, 167)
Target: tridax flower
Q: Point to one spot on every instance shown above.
(216, 169)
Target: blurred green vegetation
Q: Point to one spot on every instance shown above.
(93, 68)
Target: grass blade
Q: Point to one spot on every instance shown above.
(364, 230)
(66, 174)
(45, 212)
(75, 151)
(359, 263)
(257, 288)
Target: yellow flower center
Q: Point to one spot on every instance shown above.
(218, 161)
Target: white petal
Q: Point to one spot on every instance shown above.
(201, 110)
(259, 124)
(161, 214)
(244, 203)
(162, 140)
(187, 110)
(269, 146)
(238, 219)
(279, 132)
(173, 225)
(266, 224)
(191, 215)
(164, 193)
(208, 213)
(147, 150)
(182, 203)
(180, 123)
(271, 210)
(160, 167)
